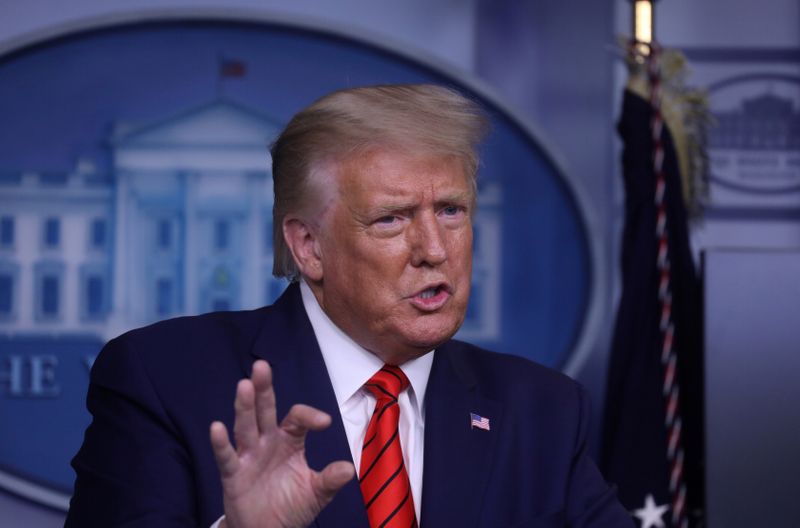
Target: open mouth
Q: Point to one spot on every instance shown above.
(430, 292)
(431, 298)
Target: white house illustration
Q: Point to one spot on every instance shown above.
(182, 225)
(193, 209)
(54, 252)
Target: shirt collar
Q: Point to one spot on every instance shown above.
(350, 365)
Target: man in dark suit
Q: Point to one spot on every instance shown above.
(374, 196)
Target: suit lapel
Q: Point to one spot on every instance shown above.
(300, 376)
(458, 458)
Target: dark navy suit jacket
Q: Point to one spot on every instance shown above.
(146, 460)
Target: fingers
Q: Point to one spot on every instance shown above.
(254, 406)
(301, 419)
(331, 479)
(245, 428)
(265, 396)
(255, 412)
(225, 455)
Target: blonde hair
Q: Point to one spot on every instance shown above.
(422, 119)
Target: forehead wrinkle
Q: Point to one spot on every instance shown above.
(373, 181)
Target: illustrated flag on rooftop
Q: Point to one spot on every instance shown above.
(232, 68)
(652, 438)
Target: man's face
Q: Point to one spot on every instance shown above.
(396, 252)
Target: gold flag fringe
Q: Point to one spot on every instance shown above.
(686, 113)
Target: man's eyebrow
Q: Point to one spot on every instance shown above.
(389, 208)
(455, 198)
(396, 204)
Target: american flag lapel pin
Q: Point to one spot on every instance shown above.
(481, 422)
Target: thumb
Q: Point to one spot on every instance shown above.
(331, 479)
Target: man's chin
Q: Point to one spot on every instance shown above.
(410, 347)
(427, 339)
(403, 343)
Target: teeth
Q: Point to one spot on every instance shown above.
(427, 294)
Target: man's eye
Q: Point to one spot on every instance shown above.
(386, 219)
(451, 210)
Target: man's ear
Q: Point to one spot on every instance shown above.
(304, 245)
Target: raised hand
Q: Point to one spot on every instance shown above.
(266, 480)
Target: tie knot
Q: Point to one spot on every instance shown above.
(388, 382)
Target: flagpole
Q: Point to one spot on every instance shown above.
(228, 68)
(651, 444)
(220, 62)
(669, 356)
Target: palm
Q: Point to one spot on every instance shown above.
(266, 480)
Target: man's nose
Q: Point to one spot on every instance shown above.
(427, 241)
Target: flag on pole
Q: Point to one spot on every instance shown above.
(652, 437)
(232, 68)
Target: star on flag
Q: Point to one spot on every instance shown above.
(650, 515)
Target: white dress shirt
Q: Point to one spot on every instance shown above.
(350, 366)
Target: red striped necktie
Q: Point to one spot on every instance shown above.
(384, 480)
